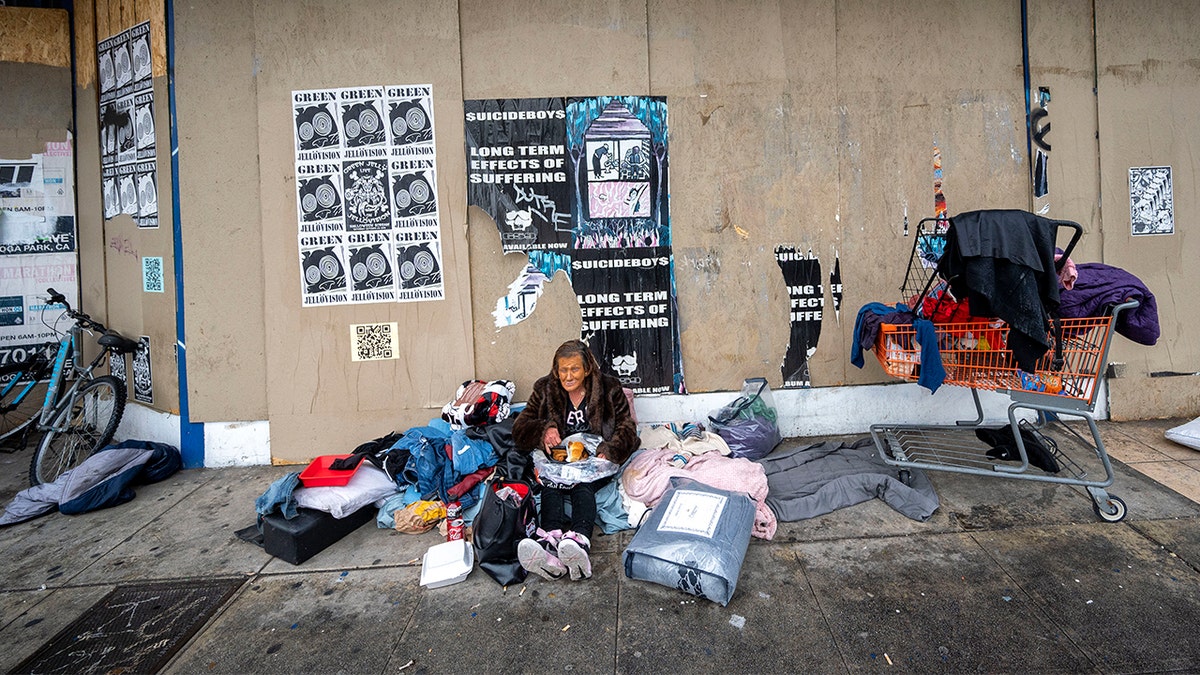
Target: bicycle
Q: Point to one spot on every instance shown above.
(76, 419)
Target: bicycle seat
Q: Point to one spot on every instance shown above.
(118, 343)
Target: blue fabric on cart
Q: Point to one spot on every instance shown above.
(933, 373)
(866, 326)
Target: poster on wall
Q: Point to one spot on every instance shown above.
(128, 151)
(27, 322)
(37, 248)
(517, 170)
(143, 382)
(580, 184)
(802, 274)
(628, 313)
(1151, 200)
(37, 202)
(366, 195)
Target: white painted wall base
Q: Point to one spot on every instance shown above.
(148, 424)
(237, 443)
(824, 411)
(839, 411)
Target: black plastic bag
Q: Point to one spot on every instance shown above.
(503, 520)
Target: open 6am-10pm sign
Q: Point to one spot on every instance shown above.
(580, 184)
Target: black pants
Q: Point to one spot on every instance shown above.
(583, 507)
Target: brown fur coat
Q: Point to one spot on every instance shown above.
(607, 411)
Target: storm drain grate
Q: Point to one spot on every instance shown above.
(133, 629)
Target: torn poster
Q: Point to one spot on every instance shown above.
(582, 183)
(366, 195)
(523, 294)
(803, 278)
(939, 199)
(1151, 200)
(128, 151)
(835, 287)
(517, 170)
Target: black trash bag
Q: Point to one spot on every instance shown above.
(502, 522)
(512, 464)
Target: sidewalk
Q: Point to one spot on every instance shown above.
(1007, 576)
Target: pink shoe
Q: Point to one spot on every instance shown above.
(538, 555)
(573, 553)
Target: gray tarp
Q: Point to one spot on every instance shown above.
(813, 480)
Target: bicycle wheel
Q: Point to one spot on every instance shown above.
(81, 429)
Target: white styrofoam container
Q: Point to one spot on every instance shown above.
(447, 563)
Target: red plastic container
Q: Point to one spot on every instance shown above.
(318, 473)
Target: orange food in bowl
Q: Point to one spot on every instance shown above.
(575, 451)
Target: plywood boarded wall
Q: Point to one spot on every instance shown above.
(1148, 82)
(808, 123)
(111, 250)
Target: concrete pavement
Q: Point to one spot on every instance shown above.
(1007, 576)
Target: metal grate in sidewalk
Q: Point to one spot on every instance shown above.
(133, 629)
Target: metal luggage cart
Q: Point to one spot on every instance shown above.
(1064, 384)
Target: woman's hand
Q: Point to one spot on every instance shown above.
(551, 438)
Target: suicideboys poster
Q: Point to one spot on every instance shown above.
(586, 179)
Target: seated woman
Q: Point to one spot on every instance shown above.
(575, 397)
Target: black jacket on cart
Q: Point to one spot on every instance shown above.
(1002, 261)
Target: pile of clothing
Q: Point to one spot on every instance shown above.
(1003, 266)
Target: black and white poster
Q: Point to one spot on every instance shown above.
(116, 366)
(628, 307)
(802, 274)
(143, 383)
(517, 170)
(1151, 200)
(580, 185)
(366, 195)
(128, 150)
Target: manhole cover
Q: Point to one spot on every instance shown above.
(133, 629)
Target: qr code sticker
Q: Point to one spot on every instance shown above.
(374, 341)
(152, 275)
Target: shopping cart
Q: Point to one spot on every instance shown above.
(1065, 383)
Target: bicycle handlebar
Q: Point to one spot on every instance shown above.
(84, 320)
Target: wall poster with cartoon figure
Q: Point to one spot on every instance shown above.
(580, 184)
(366, 195)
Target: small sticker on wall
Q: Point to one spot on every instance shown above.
(1151, 200)
(152, 275)
(374, 341)
(143, 383)
(116, 366)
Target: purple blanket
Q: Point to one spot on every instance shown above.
(1100, 286)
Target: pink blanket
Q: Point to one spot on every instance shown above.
(649, 474)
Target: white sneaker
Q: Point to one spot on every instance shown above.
(573, 553)
(536, 557)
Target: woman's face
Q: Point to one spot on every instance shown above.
(571, 373)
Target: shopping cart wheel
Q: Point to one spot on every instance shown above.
(1115, 504)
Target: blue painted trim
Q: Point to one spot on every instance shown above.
(1028, 102)
(191, 434)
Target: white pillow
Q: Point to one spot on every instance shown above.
(1186, 434)
(367, 485)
